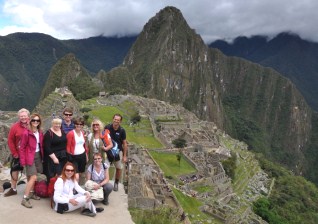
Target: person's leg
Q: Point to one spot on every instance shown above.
(107, 189)
(38, 169)
(81, 164)
(81, 199)
(119, 167)
(14, 180)
(38, 163)
(82, 202)
(31, 174)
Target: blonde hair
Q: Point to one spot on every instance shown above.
(23, 110)
(56, 121)
(97, 121)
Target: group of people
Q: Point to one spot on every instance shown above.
(66, 151)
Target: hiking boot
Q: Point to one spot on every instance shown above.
(87, 212)
(33, 196)
(105, 202)
(115, 187)
(10, 193)
(26, 203)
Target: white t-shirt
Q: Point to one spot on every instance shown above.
(37, 136)
(79, 144)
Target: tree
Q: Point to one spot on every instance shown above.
(179, 156)
(179, 143)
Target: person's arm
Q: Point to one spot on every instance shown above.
(69, 141)
(79, 189)
(88, 172)
(106, 179)
(11, 142)
(47, 141)
(109, 143)
(58, 196)
(23, 144)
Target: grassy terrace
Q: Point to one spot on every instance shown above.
(170, 166)
(140, 134)
(191, 206)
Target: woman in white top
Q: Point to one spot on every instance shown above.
(98, 172)
(65, 200)
(76, 147)
(95, 144)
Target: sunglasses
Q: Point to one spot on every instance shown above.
(95, 124)
(35, 120)
(97, 158)
(68, 170)
(79, 124)
(68, 115)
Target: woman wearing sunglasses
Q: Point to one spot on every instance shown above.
(76, 148)
(31, 154)
(65, 200)
(95, 144)
(99, 174)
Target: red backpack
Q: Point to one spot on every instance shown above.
(50, 188)
(41, 189)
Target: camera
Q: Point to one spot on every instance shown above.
(62, 207)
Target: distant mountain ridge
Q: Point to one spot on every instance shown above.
(295, 58)
(27, 58)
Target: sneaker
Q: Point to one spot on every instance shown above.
(34, 196)
(115, 187)
(26, 203)
(10, 193)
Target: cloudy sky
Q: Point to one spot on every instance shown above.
(212, 19)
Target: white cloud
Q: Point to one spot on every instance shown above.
(66, 19)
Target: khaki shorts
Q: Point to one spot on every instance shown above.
(118, 164)
(36, 167)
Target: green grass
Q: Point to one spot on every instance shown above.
(170, 166)
(203, 189)
(191, 206)
(105, 114)
(140, 134)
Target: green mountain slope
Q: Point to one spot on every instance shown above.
(27, 58)
(290, 55)
(68, 72)
(170, 62)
